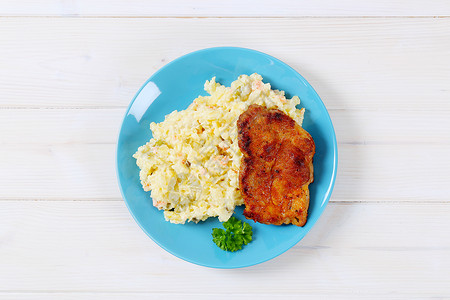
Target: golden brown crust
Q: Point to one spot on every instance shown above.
(276, 168)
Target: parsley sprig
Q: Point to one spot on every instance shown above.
(237, 233)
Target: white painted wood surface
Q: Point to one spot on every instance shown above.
(231, 8)
(68, 70)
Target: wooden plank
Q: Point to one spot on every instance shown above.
(353, 63)
(101, 126)
(67, 171)
(95, 247)
(87, 172)
(394, 172)
(391, 127)
(60, 126)
(232, 8)
(200, 296)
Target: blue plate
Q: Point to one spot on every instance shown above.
(174, 87)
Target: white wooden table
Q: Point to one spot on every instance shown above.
(68, 70)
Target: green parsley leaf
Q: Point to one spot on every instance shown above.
(237, 233)
(219, 237)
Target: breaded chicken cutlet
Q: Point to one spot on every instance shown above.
(276, 167)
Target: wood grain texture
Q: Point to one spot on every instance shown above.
(95, 247)
(194, 296)
(199, 296)
(353, 63)
(71, 172)
(60, 126)
(232, 8)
